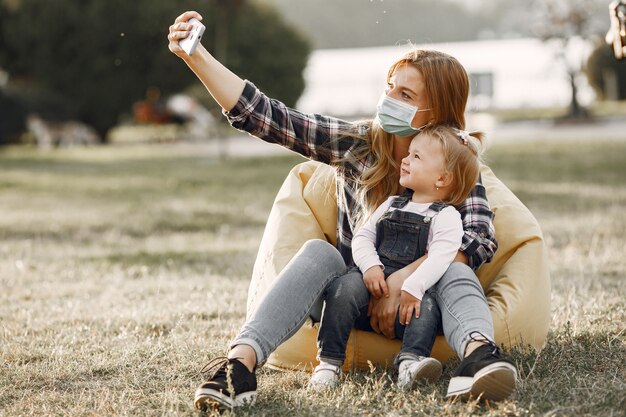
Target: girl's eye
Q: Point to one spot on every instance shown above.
(405, 95)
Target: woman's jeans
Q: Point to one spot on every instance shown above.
(298, 292)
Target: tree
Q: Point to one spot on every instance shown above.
(566, 24)
(606, 74)
(273, 58)
(101, 56)
(225, 10)
(362, 23)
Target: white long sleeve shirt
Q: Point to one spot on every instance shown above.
(444, 240)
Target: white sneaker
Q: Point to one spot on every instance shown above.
(325, 376)
(422, 368)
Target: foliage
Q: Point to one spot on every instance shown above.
(363, 23)
(605, 72)
(272, 58)
(564, 24)
(102, 55)
(12, 121)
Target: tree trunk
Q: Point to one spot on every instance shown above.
(576, 111)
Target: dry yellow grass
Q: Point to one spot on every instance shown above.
(122, 270)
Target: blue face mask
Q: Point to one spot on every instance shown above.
(395, 116)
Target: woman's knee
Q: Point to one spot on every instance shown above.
(318, 246)
(455, 272)
(321, 250)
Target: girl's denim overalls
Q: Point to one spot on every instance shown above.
(401, 238)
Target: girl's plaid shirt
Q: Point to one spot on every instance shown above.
(334, 142)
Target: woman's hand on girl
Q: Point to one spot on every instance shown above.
(179, 31)
(408, 305)
(383, 311)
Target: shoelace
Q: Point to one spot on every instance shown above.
(483, 339)
(214, 365)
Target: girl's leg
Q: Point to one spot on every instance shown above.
(345, 299)
(418, 337)
(288, 304)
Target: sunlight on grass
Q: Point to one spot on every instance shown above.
(124, 269)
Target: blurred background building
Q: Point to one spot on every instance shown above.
(504, 74)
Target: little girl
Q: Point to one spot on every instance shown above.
(440, 171)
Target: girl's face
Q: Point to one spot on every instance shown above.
(424, 166)
(407, 85)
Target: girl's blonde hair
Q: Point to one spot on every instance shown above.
(447, 90)
(461, 151)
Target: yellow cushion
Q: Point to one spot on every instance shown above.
(516, 282)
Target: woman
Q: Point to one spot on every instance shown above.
(429, 88)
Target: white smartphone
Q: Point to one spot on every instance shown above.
(190, 43)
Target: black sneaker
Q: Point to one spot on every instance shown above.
(231, 385)
(485, 374)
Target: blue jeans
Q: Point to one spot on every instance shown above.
(298, 292)
(346, 301)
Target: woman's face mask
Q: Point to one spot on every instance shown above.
(395, 116)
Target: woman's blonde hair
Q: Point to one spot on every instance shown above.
(447, 90)
(461, 151)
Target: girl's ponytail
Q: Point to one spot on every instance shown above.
(462, 152)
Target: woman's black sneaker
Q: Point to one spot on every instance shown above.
(484, 374)
(231, 385)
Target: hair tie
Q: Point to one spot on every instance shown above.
(464, 136)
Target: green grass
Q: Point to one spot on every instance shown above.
(124, 269)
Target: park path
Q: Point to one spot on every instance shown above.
(613, 129)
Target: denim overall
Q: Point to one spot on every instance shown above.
(401, 238)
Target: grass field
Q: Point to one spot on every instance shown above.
(124, 269)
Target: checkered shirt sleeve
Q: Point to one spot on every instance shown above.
(479, 240)
(320, 138)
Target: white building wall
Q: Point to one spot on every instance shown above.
(348, 82)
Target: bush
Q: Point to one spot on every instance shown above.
(605, 73)
(12, 117)
(102, 55)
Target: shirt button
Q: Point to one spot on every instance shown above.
(483, 234)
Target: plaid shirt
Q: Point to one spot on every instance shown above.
(324, 139)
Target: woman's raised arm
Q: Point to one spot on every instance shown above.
(224, 85)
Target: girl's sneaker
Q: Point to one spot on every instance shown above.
(484, 374)
(420, 369)
(325, 376)
(231, 385)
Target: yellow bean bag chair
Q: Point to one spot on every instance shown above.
(516, 281)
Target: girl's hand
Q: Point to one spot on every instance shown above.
(408, 304)
(179, 31)
(374, 279)
(383, 311)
